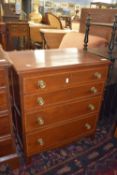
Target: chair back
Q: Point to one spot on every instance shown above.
(18, 35)
(53, 20)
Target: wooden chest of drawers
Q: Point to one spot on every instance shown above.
(7, 143)
(57, 96)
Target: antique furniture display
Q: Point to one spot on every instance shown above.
(57, 96)
(7, 143)
(18, 35)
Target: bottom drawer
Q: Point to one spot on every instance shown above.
(60, 135)
(6, 146)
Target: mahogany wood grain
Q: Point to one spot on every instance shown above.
(59, 135)
(69, 109)
(3, 100)
(4, 125)
(2, 80)
(58, 81)
(31, 101)
(57, 114)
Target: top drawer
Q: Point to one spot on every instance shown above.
(2, 77)
(52, 82)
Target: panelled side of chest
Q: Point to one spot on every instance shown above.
(7, 140)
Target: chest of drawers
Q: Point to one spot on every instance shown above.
(7, 143)
(57, 96)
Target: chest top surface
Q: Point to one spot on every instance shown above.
(52, 59)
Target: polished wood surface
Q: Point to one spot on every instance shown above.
(57, 96)
(7, 140)
(40, 60)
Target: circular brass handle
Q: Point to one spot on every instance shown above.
(93, 90)
(40, 101)
(40, 121)
(97, 75)
(91, 107)
(41, 84)
(40, 141)
(87, 126)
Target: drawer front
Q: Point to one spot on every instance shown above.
(35, 101)
(6, 146)
(2, 77)
(4, 125)
(57, 136)
(58, 81)
(61, 113)
(3, 100)
(21, 30)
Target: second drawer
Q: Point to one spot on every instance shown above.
(37, 101)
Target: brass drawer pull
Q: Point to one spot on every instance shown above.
(91, 107)
(40, 101)
(93, 90)
(87, 126)
(40, 141)
(41, 84)
(97, 75)
(40, 121)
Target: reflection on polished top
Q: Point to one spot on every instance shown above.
(53, 58)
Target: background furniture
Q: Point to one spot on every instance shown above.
(35, 36)
(18, 35)
(76, 39)
(8, 11)
(7, 141)
(58, 93)
(53, 37)
(53, 20)
(99, 16)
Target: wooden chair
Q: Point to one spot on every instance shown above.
(53, 20)
(18, 35)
